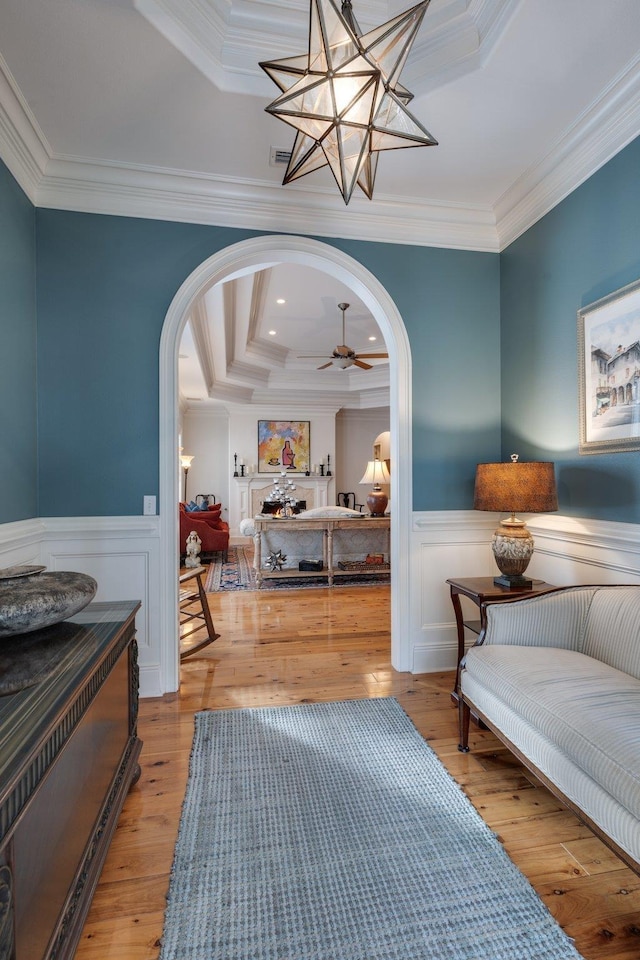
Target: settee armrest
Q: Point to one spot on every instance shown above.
(554, 619)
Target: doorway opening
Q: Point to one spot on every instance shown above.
(247, 256)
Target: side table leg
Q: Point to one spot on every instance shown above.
(457, 609)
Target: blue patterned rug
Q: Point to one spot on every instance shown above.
(331, 831)
(237, 573)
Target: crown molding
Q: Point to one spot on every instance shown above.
(166, 194)
(227, 44)
(23, 146)
(78, 184)
(202, 343)
(609, 124)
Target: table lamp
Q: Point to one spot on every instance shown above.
(377, 500)
(507, 488)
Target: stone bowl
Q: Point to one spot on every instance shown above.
(30, 603)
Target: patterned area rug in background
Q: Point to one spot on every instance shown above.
(331, 831)
(238, 574)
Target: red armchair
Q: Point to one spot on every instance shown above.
(213, 532)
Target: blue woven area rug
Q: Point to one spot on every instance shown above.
(331, 831)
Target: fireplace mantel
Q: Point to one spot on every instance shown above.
(254, 489)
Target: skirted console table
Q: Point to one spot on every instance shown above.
(68, 755)
(333, 540)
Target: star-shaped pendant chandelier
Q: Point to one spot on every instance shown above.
(344, 97)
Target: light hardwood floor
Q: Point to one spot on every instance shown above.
(332, 644)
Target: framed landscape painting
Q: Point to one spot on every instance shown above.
(609, 372)
(283, 445)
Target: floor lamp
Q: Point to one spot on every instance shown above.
(185, 463)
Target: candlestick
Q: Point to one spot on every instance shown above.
(235, 464)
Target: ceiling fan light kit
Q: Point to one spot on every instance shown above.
(344, 356)
(344, 98)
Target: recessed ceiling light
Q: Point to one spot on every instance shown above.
(373, 338)
(272, 333)
(281, 300)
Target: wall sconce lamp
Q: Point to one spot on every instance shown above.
(185, 463)
(377, 500)
(507, 488)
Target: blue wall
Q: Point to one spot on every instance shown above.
(586, 247)
(449, 302)
(18, 426)
(104, 286)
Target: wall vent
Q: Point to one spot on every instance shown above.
(279, 156)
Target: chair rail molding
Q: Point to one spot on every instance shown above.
(124, 556)
(120, 553)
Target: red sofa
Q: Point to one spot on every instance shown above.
(212, 530)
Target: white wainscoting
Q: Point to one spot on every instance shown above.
(123, 554)
(457, 544)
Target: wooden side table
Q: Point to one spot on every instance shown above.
(479, 590)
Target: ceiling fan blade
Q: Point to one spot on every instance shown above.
(325, 365)
(373, 356)
(364, 366)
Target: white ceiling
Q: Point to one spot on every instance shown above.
(155, 108)
(241, 346)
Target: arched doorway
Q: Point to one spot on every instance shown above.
(247, 256)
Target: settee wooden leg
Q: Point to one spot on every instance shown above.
(464, 716)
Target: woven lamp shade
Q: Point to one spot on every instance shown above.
(516, 487)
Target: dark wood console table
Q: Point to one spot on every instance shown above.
(68, 755)
(479, 590)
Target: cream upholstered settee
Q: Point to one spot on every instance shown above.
(557, 678)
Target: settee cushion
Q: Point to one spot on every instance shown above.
(589, 709)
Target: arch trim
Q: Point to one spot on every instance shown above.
(247, 256)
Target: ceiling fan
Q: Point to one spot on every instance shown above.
(344, 356)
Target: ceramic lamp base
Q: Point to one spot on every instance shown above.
(377, 502)
(512, 548)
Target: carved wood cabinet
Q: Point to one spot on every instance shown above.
(68, 755)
